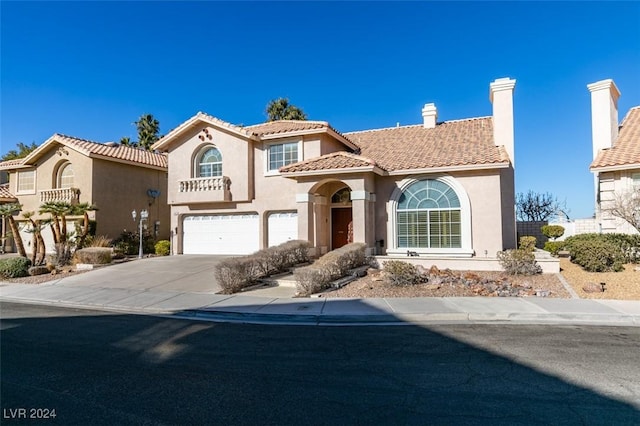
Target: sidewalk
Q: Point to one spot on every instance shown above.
(273, 306)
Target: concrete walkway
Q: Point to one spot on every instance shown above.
(154, 286)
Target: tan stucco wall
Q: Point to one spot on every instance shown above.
(611, 185)
(120, 188)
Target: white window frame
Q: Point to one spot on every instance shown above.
(198, 158)
(31, 190)
(466, 249)
(63, 167)
(267, 154)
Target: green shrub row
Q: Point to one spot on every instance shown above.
(627, 247)
(554, 247)
(333, 265)
(236, 273)
(14, 267)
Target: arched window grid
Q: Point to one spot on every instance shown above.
(209, 163)
(65, 176)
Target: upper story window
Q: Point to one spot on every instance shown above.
(429, 216)
(27, 181)
(65, 176)
(209, 163)
(282, 154)
(635, 180)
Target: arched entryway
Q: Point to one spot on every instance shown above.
(341, 218)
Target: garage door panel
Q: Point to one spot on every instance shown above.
(282, 227)
(221, 234)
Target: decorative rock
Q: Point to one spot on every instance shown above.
(84, 266)
(593, 288)
(432, 287)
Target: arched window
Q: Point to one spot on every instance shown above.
(65, 176)
(429, 216)
(209, 163)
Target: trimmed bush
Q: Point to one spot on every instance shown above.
(163, 248)
(597, 255)
(528, 243)
(235, 274)
(329, 267)
(400, 273)
(93, 255)
(552, 231)
(627, 246)
(38, 270)
(519, 262)
(554, 247)
(14, 267)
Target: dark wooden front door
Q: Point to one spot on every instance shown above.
(340, 220)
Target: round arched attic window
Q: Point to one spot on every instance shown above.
(65, 176)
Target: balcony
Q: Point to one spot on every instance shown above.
(203, 190)
(67, 195)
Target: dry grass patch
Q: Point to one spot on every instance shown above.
(623, 285)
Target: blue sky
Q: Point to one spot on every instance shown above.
(89, 69)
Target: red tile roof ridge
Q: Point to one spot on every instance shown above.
(320, 122)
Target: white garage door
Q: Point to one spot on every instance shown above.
(220, 234)
(282, 227)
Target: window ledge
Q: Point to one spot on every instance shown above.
(435, 253)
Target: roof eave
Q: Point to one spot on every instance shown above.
(615, 167)
(365, 169)
(128, 162)
(466, 167)
(327, 130)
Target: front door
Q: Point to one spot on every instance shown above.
(341, 217)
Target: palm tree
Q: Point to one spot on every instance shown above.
(148, 129)
(58, 211)
(8, 210)
(281, 109)
(39, 249)
(83, 209)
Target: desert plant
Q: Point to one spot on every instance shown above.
(235, 274)
(528, 243)
(554, 247)
(597, 255)
(129, 243)
(98, 241)
(519, 262)
(552, 231)
(14, 267)
(93, 255)
(628, 246)
(311, 279)
(38, 270)
(400, 273)
(163, 248)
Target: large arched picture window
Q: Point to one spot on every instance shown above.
(209, 163)
(65, 176)
(429, 216)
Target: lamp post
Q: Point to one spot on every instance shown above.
(143, 216)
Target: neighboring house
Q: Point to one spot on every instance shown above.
(616, 154)
(6, 197)
(115, 178)
(438, 189)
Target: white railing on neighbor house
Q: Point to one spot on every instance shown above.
(204, 190)
(68, 195)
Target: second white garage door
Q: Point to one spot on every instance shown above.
(221, 234)
(282, 227)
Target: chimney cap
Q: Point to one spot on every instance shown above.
(605, 84)
(499, 84)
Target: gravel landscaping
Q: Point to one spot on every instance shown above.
(623, 285)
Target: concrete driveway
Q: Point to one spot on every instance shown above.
(184, 273)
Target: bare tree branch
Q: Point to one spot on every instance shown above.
(626, 206)
(537, 207)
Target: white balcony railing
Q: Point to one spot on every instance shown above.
(67, 195)
(220, 183)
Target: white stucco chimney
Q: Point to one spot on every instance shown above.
(501, 96)
(604, 114)
(429, 116)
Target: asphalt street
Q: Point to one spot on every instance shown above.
(104, 368)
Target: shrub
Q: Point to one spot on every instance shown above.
(554, 247)
(129, 243)
(552, 231)
(93, 255)
(235, 274)
(628, 246)
(163, 248)
(14, 267)
(311, 279)
(597, 255)
(401, 273)
(519, 262)
(98, 241)
(528, 243)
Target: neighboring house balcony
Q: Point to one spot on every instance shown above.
(67, 195)
(204, 190)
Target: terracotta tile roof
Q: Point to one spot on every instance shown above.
(449, 144)
(5, 195)
(626, 149)
(115, 151)
(335, 160)
(288, 126)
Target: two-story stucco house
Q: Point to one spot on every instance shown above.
(616, 154)
(436, 188)
(115, 178)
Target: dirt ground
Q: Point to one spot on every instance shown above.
(618, 285)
